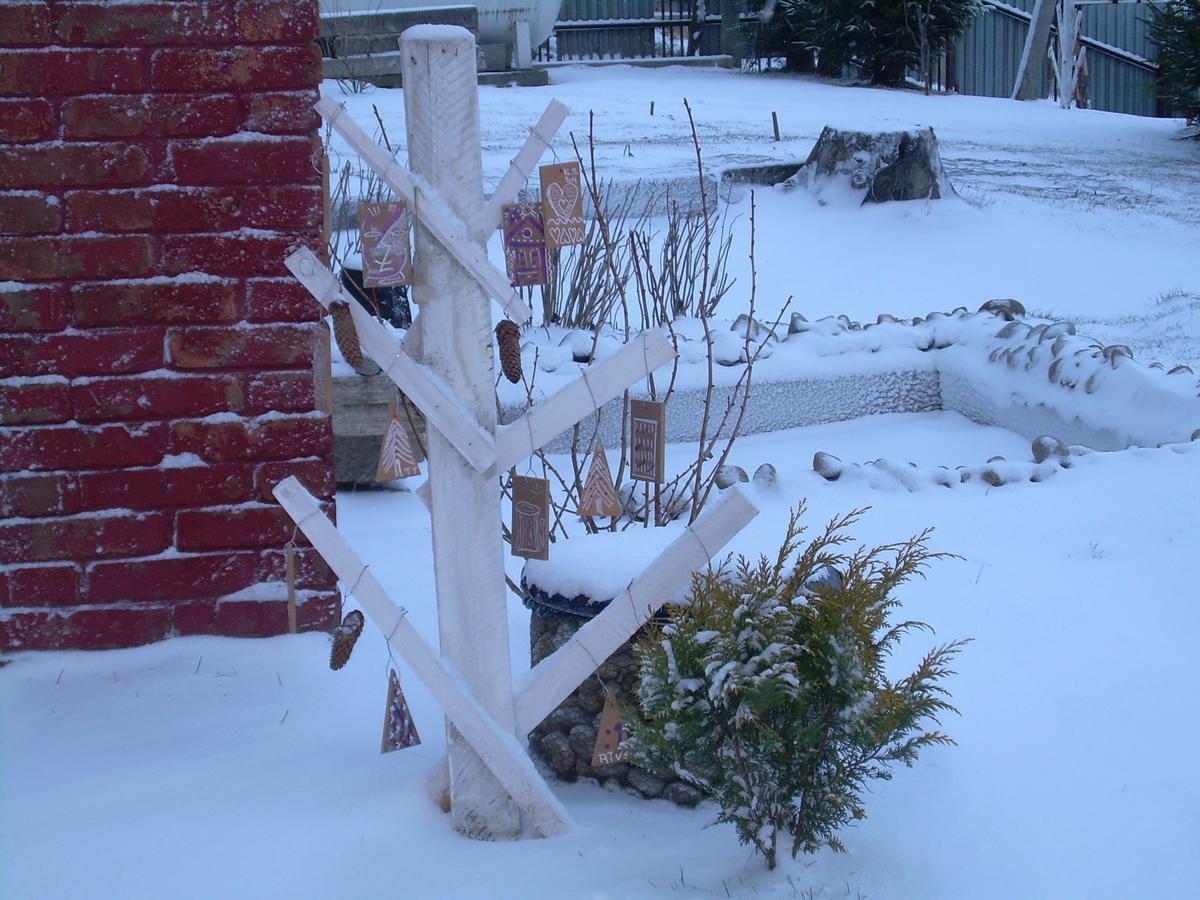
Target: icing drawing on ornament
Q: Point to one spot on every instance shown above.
(562, 204)
(599, 497)
(524, 244)
(647, 462)
(530, 517)
(387, 259)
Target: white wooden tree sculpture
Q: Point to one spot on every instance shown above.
(446, 368)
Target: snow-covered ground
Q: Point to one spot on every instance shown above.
(206, 767)
(1078, 214)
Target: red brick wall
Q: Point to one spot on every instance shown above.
(156, 165)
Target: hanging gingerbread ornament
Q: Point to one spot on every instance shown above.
(396, 456)
(345, 636)
(562, 204)
(647, 461)
(524, 244)
(399, 729)
(386, 255)
(530, 517)
(345, 333)
(599, 497)
(508, 337)
(610, 737)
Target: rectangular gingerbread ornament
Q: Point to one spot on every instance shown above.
(398, 457)
(647, 461)
(524, 244)
(386, 255)
(530, 517)
(562, 204)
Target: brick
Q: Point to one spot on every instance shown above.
(34, 403)
(280, 392)
(75, 165)
(55, 447)
(228, 255)
(259, 68)
(160, 209)
(37, 73)
(154, 301)
(32, 307)
(245, 159)
(281, 438)
(125, 399)
(29, 213)
(157, 488)
(142, 115)
(279, 300)
(128, 24)
(34, 586)
(76, 257)
(32, 496)
(25, 24)
(281, 113)
(246, 618)
(170, 578)
(282, 207)
(88, 629)
(311, 571)
(252, 347)
(86, 537)
(276, 21)
(26, 120)
(232, 528)
(316, 475)
(108, 351)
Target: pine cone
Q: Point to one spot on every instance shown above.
(346, 333)
(344, 638)
(508, 336)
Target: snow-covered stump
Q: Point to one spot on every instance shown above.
(878, 166)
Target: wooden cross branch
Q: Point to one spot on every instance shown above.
(498, 749)
(429, 210)
(431, 395)
(553, 679)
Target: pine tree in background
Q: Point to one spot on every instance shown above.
(1176, 29)
(768, 691)
(884, 38)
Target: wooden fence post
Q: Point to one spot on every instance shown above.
(441, 108)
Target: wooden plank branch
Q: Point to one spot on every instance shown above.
(431, 395)
(553, 679)
(429, 211)
(499, 750)
(598, 384)
(522, 165)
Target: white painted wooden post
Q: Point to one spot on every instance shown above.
(441, 109)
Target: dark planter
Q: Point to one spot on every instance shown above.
(564, 740)
(389, 303)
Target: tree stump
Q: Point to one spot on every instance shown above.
(879, 167)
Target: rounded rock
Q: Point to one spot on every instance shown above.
(765, 476)
(827, 465)
(728, 476)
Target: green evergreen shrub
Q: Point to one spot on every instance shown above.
(768, 690)
(884, 38)
(1176, 29)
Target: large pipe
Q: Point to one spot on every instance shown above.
(497, 18)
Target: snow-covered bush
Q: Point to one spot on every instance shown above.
(769, 689)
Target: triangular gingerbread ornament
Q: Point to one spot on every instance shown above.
(599, 497)
(396, 456)
(399, 729)
(611, 736)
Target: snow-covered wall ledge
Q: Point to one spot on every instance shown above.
(1035, 380)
